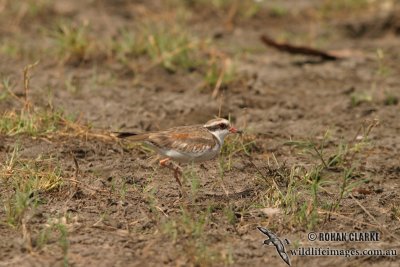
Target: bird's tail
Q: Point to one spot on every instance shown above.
(123, 134)
(134, 136)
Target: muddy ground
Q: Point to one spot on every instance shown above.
(116, 207)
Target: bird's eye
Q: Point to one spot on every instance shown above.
(222, 125)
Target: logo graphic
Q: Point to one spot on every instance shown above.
(274, 240)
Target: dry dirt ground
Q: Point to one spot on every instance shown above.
(320, 150)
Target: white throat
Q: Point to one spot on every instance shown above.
(220, 135)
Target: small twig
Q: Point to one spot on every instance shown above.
(157, 207)
(221, 98)
(292, 49)
(276, 161)
(224, 188)
(320, 157)
(231, 14)
(75, 177)
(27, 78)
(352, 141)
(370, 127)
(219, 83)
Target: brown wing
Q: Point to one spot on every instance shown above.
(184, 139)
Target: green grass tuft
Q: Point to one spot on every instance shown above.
(72, 42)
(31, 123)
(28, 178)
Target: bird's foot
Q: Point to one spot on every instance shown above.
(177, 172)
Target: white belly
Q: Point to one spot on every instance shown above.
(185, 157)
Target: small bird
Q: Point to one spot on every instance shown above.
(186, 144)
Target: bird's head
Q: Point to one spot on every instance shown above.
(220, 128)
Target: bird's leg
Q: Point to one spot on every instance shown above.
(177, 170)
